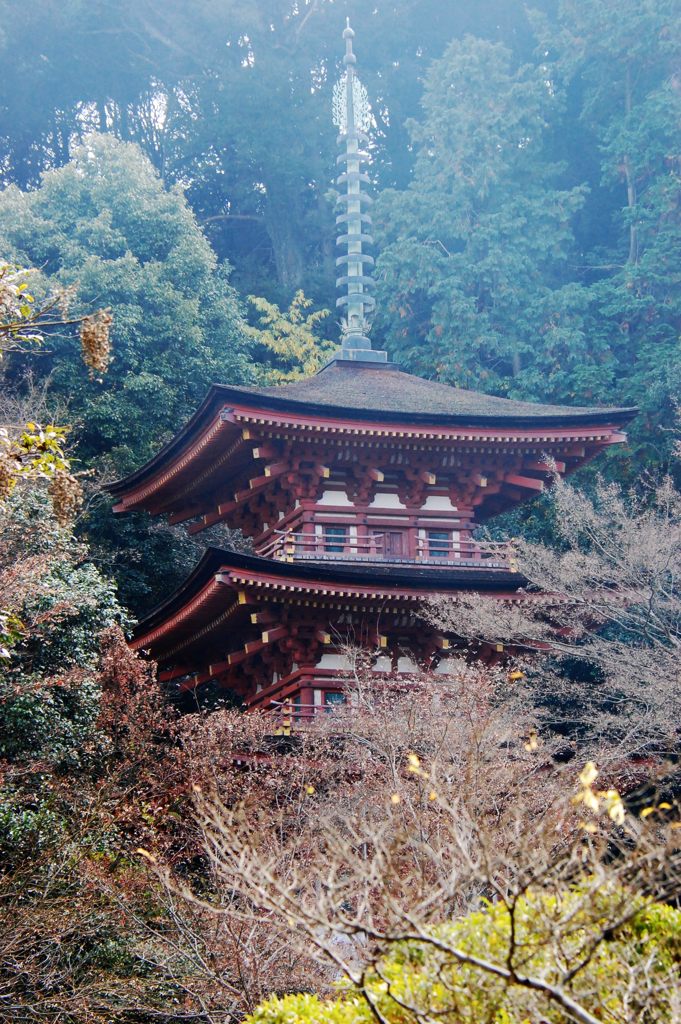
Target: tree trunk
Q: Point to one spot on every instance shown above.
(328, 238)
(283, 222)
(631, 184)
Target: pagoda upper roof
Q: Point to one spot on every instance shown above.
(376, 391)
(347, 390)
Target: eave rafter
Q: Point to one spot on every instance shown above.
(286, 618)
(253, 435)
(140, 497)
(299, 476)
(299, 425)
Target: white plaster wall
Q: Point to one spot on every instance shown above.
(438, 503)
(334, 498)
(406, 665)
(386, 500)
(333, 661)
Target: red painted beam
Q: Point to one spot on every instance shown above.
(258, 482)
(211, 518)
(270, 635)
(529, 483)
(266, 451)
(263, 618)
(183, 515)
(488, 492)
(271, 471)
(545, 467)
(174, 673)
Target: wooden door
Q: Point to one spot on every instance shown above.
(394, 543)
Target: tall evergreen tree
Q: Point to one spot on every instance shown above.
(232, 99)
(474, 251)
(621, 63)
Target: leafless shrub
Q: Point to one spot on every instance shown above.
(609, 598)
(432, 807)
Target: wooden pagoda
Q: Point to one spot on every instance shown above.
(360, 488)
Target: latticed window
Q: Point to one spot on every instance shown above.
(438, 543)
(335, 539)
(332, 700)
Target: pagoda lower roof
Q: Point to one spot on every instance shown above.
(221, 573)
(347, 391)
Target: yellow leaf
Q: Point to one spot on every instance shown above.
(646, 811)
(590, 800)
(588, 774)
(145, 853)
(616, 812)
(532, 742)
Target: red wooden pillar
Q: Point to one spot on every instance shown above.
(414, 514)
(306, 704)
(307, 528)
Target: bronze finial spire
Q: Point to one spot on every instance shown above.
(352, 115)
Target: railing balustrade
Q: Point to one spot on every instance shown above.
(288, 714)
(295, 545)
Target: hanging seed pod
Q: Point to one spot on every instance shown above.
(95, 341)
(67, 497)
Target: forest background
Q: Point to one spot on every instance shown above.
(525, 167)
(174, 164)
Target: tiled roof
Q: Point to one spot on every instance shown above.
(417, 577)
(375, 393)
(377, 390)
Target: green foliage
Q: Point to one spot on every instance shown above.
(37, 453)
(105, 221)
(26, 831)
(291, 337)
(61, 603)
(306, 1008)
(473, 251)
(536, 250)
(23, 323)
(232, 98)
(621, 59)
(421, 980)
(17, 311)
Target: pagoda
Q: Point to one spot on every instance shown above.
(360, 488)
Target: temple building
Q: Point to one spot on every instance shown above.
(360, 488)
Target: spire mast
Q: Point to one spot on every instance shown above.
(351, 115)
